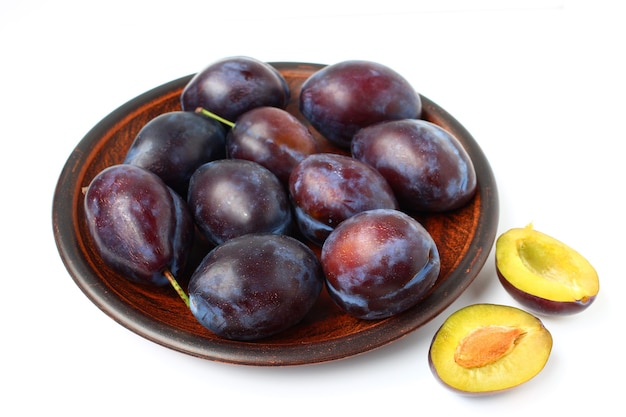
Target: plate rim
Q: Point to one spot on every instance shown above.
(255, 353)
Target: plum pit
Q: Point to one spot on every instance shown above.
(486, 345)
(488, 348)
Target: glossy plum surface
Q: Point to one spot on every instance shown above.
(342, 98)
(232, 197)
(271, 137)
(139, 226)
(425, 165)
(326, 189)
(464, 237)
(255, 286)
(231, 86)
(379, 263)
(174, 144)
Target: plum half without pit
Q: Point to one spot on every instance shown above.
(489, 348)
(544, 274)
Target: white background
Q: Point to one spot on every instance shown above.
(539, 84)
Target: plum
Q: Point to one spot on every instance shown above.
(232, 197)
(488, 348)
(271, 137)
(174, 144)
(342, 98)
(141, 228)
(379, 263)
(326, 189)
(233, 85)
(255, 286)
(425, 165)
(544, 274)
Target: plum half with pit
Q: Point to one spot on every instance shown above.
(379, 263)
(544, 274)
(488, 348)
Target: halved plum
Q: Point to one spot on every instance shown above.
(487, 348)
(543, 274)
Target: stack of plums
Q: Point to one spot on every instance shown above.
(235, 168)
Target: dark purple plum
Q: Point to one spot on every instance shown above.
(231, 86)
(174, 144)
(340, 99)
(425, 165)
(255, 286)
(326, 189)
(232, 197)
(139, 226)
(271, 137)
(379, 263)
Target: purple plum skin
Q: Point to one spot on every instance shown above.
(379, 263)
(255, 286)
(174, 144)
(326, 189)
(425, 165)
(232, 197)
(139, 226)
(231, 86)
(342, 98)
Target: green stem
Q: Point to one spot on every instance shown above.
(214, 116)
(170, 277)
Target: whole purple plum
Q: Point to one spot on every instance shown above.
(379, 263)
(255, 286)
(425, 165)
(231, 86)
(340, 99)
(327, 188)
(140, 226)
(233, 197)
(174, 144)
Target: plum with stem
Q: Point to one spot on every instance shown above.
(140, 227)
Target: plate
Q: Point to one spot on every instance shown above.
(464, 237)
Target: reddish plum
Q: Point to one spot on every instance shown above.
(379, 263)
(174, 144)
(271, 137)
(328, 188)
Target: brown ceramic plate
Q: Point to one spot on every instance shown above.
(465, 238)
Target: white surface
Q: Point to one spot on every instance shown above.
(539, 84)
